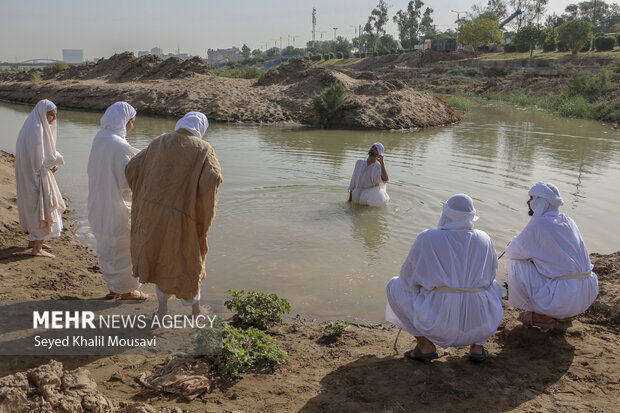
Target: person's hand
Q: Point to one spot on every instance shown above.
(54, 169)
(380, 159)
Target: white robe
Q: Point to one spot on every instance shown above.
(39, 200)
(458, 258)
(550, 246)
(108, 213)
(367, 186)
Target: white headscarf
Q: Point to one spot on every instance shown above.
(458, 213)
(36, 124)
(194, 122)
(116, 117)
(380, 148)
(546, 198)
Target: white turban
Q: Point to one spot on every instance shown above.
(116, 117)
(49, 105)
(380, 148)
(458, 213)
(545, 198)
(194, 122)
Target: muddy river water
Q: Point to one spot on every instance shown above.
(283, 224)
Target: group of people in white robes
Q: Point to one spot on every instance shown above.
(170, 243)
(446, 293)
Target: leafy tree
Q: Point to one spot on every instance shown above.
(447, 34)
(529, 35)
(328, 104)
(386, 44)
(479, 31)
(274, 51)
(288, 50)
(532, 10)
(257, 53)
(551, 39)
(409, 24)
(344, 46)
(603, 43)
(426, 24)
(495, 10)
(375, 26)
(607, 15)
(245, 51)
(575, 34)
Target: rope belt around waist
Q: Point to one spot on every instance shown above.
(574, 276)
(445, 289)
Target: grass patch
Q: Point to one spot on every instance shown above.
(248, 72)
(460, 102)
(35, 76)
(339, 62)
(539, 54)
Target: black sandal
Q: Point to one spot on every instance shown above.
(416, 354)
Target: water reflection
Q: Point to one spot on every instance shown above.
(370, 227)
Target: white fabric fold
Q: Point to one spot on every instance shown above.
(456, 258)
(109, 196)
(39, 199)
(548, 248)
(194, 122)
(366, 185)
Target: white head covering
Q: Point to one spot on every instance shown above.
(194, 122)
(116, 117)
(49, 105)
(458, 213)
(546, 198)
(379, 146)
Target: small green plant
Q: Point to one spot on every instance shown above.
(327, 104)
(256, 309)
(496, 71)
(35, 76)
(336, 328)
(590, 87)
(241, 350)
(59, 66)
(604, 43)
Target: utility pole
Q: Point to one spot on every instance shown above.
(458, 14)
(280, 42)
(313, 23)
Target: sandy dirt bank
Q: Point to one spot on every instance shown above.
(173, 88)
(361, 371)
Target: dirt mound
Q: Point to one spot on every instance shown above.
(292, 72)
(606, 309)
(50, 388)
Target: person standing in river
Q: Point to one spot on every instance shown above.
(368, 182)
(108, 192)
(39, 200)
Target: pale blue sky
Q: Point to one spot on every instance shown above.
(41, 29)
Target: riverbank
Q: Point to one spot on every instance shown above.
(174, 87)
(528, 370)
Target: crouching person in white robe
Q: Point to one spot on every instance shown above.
(108, 192)
(549, 270)
(39, 201)
(368, 182)
(446, 293)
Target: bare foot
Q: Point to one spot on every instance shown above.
(42, 254)
(541, 318)
(196, 310)
(425, 345)
(475, 349)
(134, 295)
(44, 246)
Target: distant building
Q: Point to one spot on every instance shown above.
(156, 51)
(218, 56)
(143, 53)
(72, 56)
(443, 45)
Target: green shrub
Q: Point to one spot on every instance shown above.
(256, 309)
(464, 71)
(336, 328)
(618, 39)
(326, 56)
(35, 76)
(590, 87)
(327, 104)
(522, 47)
(573, 107)
(59, 66)
(497, 71)
(509, 48)
(339, 55)
(604, 43)
(241, 350)
(460, 102)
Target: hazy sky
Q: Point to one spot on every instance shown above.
(41, 29)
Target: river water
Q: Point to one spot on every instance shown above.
(283, 224)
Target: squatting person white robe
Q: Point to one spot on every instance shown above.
(39, 201)
(108, 192)
(446, 290)
(549, 269)
(366, 186)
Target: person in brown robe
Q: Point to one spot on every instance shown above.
(174, 183)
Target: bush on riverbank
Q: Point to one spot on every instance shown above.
(59, 66)
(327, 104)
(256, 309)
